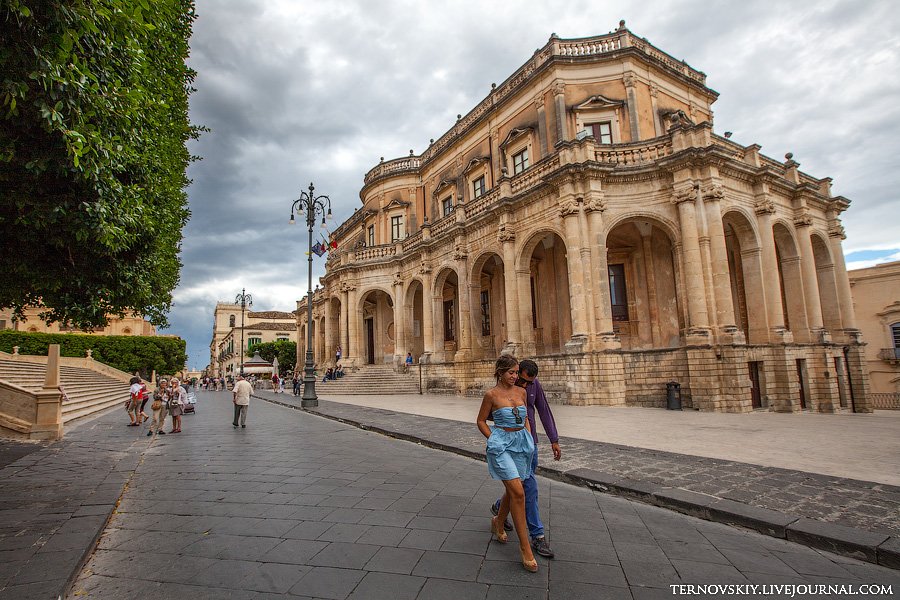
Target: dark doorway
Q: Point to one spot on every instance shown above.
(801, 377)
(755, 391)
(370, 341)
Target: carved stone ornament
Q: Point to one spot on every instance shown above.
(597, 203)
(713, 192)
(654, 90)
(424, 269)
(683, 193)
(835, 229)
(568, 207)
(764, 206)
(559, 88)
(802, 221)
(505, 235)
(539, 102)
(460, 253)
(397, 279)
(629, 80)
(347, 287)
(360, 244)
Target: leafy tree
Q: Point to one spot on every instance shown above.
(165, 355)
(93, 132)
(285, 350)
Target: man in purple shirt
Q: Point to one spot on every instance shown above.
(534, 400)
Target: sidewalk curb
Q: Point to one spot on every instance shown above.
(862, 545)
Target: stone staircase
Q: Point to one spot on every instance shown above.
(371, 380)
(88, 391)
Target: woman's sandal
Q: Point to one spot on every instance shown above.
(530, 565)
(497, 529)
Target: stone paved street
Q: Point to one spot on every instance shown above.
(297, 505)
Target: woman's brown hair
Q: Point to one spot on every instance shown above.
(503, 364)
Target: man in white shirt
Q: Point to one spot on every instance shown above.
(242, 391)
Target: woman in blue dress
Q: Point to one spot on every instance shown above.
(509, 450)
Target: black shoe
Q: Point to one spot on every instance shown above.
(149, 433)
(243, 426)
(495, 510)
(161, 432)
(541, 546)
(235, 425)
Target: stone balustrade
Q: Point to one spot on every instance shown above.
(529, 178)
(443, 224)
(635, 154)
(479, 206)
(375, 252)
(412, 241)
(395, 166)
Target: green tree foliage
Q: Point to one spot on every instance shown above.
(165, 355)
(93, 157)
(285, 350)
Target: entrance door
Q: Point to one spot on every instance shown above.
(801, 377)
(370, 341)
(755, 395)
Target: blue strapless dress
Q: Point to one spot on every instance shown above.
(509, 452)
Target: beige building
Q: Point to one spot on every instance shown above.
(876, 297)
(128, 325)
(585, 213)
(258, 327)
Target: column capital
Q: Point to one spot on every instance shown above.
(713, 191)
(460, 253)
(629, 80)
(654, 90)
(424, 268)
(764, 206)
(802, 220)
(559, 88)
(569, 207)
(505, 235)
(596, 202)
(539, 102)
(836, 230)
(683, 193)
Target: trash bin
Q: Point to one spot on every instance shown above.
(673, 395)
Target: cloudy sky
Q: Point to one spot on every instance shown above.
(300, 91)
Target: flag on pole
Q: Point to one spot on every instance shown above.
(318, 249)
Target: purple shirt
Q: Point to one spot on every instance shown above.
(535, 399)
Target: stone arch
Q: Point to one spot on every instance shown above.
(375, 308)
(827, 282)
(745, 272)
(642, 276)
(547, 319)
(789, 276)
(487, 284)
(126, 331)
(534, 238)
(445, 301)
(414, 317)
(669, 227)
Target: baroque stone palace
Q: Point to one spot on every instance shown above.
(130, 324)
(258, 327)
(585, 214)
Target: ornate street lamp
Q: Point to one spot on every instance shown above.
(244, 299)
(311, 204)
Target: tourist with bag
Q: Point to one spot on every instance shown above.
(177, 400)
(159, 409)
(133, 404)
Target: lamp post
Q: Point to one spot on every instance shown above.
(311, 204)
(244, 299)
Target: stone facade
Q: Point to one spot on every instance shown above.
(258, 327)
(876, 298)
(586, 214)
(127, 325)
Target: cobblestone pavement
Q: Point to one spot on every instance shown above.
(300, 506)
(851, 503)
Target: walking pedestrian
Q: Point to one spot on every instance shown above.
(241, 393)
(133, 404)
(281, 385)
(177, 400)
(145, 396)
(159, 408)
(274, 383)
(296, 382)
(509, 451)
(535, 401)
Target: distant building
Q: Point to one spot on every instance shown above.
(128, 325)
(259, 327)
(876, 297)
(585, 213)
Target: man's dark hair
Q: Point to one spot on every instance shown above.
(529, 366)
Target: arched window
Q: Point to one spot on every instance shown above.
(231, 320)
(126, 331)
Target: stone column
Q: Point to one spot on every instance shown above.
(330, 338)
(684, 197)
(765, 208)
(506, 237)
(540, 149)
(464, 295)
(631, 94)
(354, 351)
(646, 230)
(559, 99)
(345, 337)
(400, 322)
(835, 236)
(810, 280)
(725, 320)
(427, 313)
(599, 264)
(569, 210)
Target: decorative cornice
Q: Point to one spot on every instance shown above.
(515, 134)
(479, 160)
(599, 101)
(442, 185)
